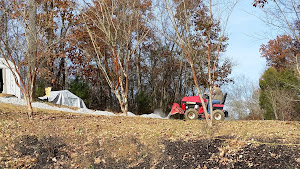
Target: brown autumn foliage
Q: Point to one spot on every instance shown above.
(155, 68)
(206, 29)
(19, 44)
(259, 3)
(280, 52)
(56, 17)
(142, 73)
(115, 29)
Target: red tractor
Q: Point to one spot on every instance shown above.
(192, 109)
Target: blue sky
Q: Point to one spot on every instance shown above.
(246, 34)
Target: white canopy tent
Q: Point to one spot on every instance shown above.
(64, 97)
(8, 84)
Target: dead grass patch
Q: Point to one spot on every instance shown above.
(5, 95)
(120, 141)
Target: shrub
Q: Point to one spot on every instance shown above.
(143, 103)
(80, 89)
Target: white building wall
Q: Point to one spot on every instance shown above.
(10, 86)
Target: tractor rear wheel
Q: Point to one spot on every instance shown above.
(218, 115)
(191, 114)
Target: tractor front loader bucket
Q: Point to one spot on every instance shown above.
(175, 111)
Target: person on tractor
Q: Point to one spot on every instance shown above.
(217, 96)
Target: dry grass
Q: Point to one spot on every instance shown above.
(125, 137)
(5, 95)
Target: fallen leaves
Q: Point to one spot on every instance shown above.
(97, 160)
(99, 140)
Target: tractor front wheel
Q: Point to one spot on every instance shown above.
(191, 114)
(218, 115)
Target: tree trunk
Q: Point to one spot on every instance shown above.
(62, 50)
(297, 64)
(132, 98)
(210, 82)
(123, 103)
(32, 54)
(209, 122)
(29, 107)
(185, 81)
(275, 109)
(48, 8)
(66, 77)
(178, 86)
(110, 99)
(138, 72)
(154, 96)
(161, 97)
(61, 71)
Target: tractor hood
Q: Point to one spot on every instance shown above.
(191, 99)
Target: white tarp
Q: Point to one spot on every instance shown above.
(64, 97)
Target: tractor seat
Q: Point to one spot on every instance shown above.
(224, 98)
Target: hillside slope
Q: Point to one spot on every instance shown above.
(64, 140)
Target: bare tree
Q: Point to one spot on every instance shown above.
(281, 102)
(256, 113)
(30, 31)
(115, 29)
(23, 43)
(243, 99)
